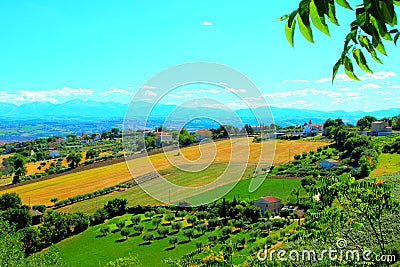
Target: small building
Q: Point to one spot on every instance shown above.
(328, 163)
(203, 134)
(268, 203)
(312, 129)
(162, 137)
(380, 128)
(37, 216)
(9, 149)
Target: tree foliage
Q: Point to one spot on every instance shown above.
(374, 22)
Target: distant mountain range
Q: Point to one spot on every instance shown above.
(89, 110)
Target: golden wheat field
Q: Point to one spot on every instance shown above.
(82, 182)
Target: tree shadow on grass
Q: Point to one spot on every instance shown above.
(170, 248)
(100, 235)
(134, 234)
(121, 240)
(145, 243)
(184, 241)
(159, 237)
(114, 231)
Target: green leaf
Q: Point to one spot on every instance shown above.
(395, 38)
(289, 32)
(381, 28)
(322, 7)
(348, 68)
(305, 30)
(388, 13)
(292, 17)
(318, 21)
(361, 15)
(344, 4)
(332, 14)
(375, 56)
(360, 59)
(336, 68)
(377, 43)
(396, 2)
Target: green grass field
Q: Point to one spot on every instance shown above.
(279, 188)
(387, 163)
(136, 195)
(91, 249)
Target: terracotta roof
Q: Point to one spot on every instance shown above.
(162, 134)
(315, 125)
(271, 199)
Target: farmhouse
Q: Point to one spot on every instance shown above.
(328, 163)
(163, 137)
(203, 134)
(268, 203)
(380, 128)
(312, 129)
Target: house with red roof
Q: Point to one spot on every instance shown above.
(268, 203)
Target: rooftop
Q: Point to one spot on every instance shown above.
(271, 199)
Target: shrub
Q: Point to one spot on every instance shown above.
(125, 232)
(105, 230)
(170, 217)
(212, 238)
(226, 230)
(241, 240)
(120, 225)
(173, 240)
(163, 231)
(148, 237)
(136, 219)
(138, 228)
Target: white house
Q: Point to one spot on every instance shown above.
(312, 129)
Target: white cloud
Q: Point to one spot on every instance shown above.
(24, 96)
(381, 93)
(386, 99)
(396, 86)
(302, 92)
(114, 90)
(150, 93)
(148, 87)
(299, 103)
(206, 23)
(201, 91)
(323, 80)
(236, 90)
(179, 96)
(352, 94)
(369, 86)
(344, 89)
(379, 75)
(295, 81)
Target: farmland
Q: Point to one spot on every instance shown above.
(388, 163)
(89, 180)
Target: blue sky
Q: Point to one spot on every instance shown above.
(55, 51)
